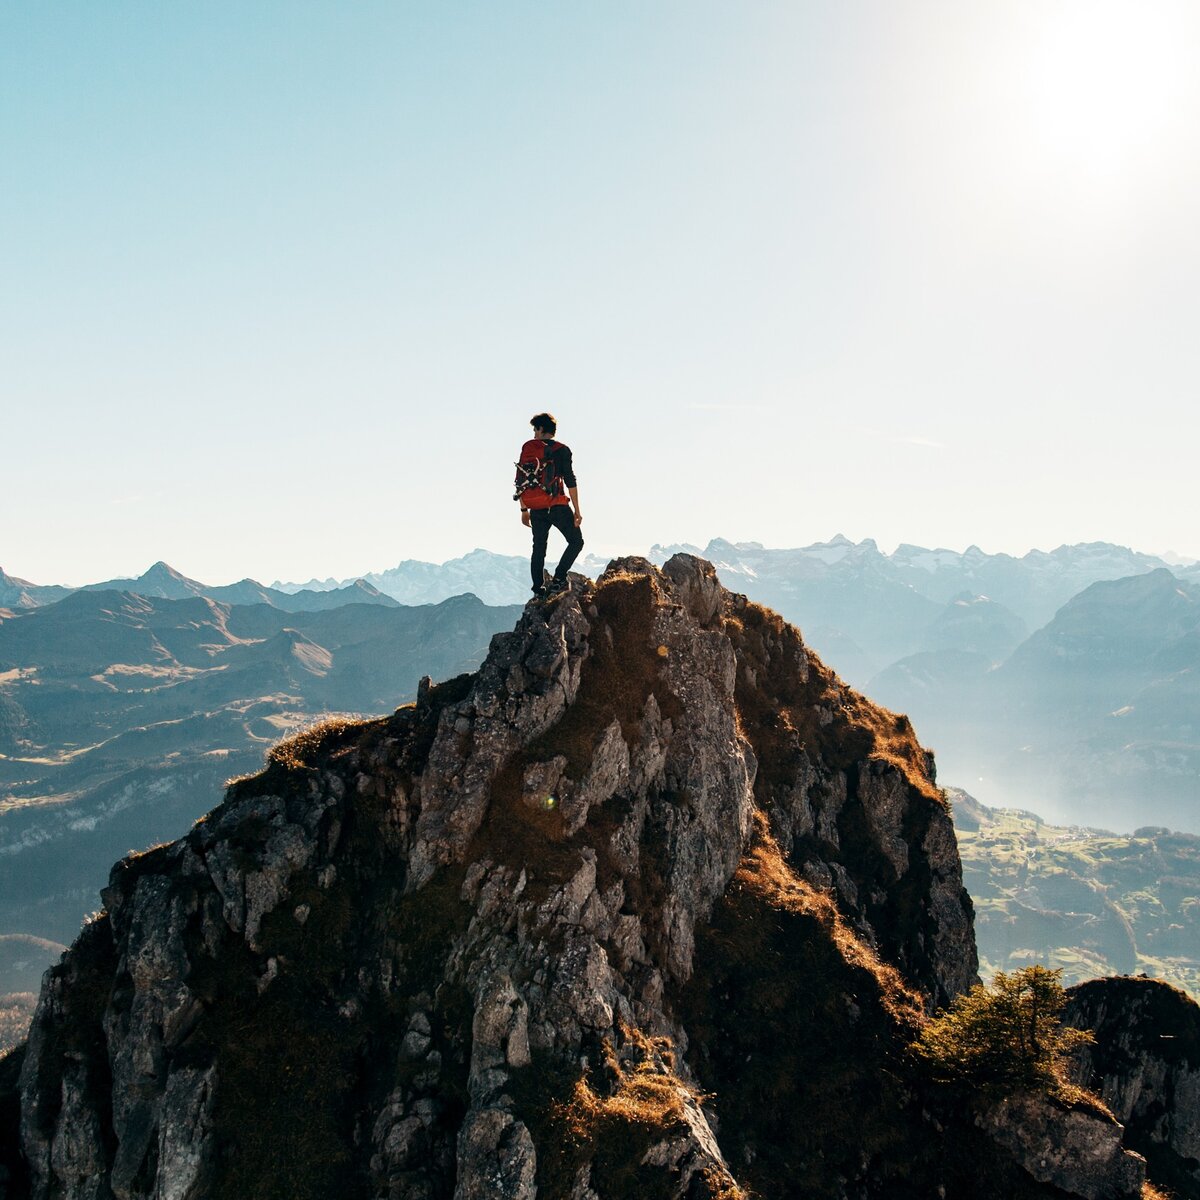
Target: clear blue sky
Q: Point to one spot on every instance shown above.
(281, 284)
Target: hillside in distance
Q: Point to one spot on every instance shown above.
(20, 593)
(1091, 902)
(1093, 720)
(120, 713)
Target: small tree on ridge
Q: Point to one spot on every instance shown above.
(1008, 1037)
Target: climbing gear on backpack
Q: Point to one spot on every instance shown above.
(537, 469)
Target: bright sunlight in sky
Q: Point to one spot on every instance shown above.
(283, 283)
(1090, 100)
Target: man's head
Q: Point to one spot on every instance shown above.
(544, 425)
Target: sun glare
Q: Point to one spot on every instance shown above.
(1103, 82)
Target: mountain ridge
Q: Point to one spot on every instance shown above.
(650, 906)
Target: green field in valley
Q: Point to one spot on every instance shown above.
(1091, 902)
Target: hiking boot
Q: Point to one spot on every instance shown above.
(556, 587)
(539, 591)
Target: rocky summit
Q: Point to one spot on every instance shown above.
(652, 906)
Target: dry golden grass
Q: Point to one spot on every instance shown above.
(1152, 1192)
(301, 749)
(780, 712)
(765, 874)
(640, 1103)
(722, 1186)
(1074, 1096)
(646, 1095)
(305, 749)
(895, 741)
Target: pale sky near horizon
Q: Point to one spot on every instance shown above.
(282, 283)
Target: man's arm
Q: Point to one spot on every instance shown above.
(567, 467)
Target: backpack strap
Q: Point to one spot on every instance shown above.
(550, 479)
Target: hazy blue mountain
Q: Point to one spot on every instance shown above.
(163, 582)
(1033, 586)
(1109, 638)
(122, 714)
(494, 578)
(1094, 719)
(890, 606)
(976, 625)
(20, 593)
(861, 609)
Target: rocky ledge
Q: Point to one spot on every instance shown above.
(1145, 1065)
(651, 906)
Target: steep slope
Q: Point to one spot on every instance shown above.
(1146, 1065)
(1103, 643)
(650, 906)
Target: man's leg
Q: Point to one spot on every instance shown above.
(539, 522)
(564, 521)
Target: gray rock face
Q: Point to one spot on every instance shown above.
(481, 948)
(1072, 1149)
(1145, 1064)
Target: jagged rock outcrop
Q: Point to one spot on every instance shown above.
(1077, 1148)
(650, 906)
(1145, 1064)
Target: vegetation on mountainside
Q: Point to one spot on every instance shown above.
(612, 1117)
(16, 1011)
(1085, 901)
(1008, 1037)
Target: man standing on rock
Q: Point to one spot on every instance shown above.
(544, 475)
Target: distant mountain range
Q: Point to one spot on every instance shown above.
(1094, 719)
(1063, 681)
(1033, 586)
(880, 607)
(122, 712)
(494, 578)
(20, 593)
(165, 583)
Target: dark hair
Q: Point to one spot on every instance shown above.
(545, 422)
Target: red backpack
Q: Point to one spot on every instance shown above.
(538, 472)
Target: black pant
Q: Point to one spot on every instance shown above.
(563, 519)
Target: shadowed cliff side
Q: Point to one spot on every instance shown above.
(653, 905)
(1145, 1064)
